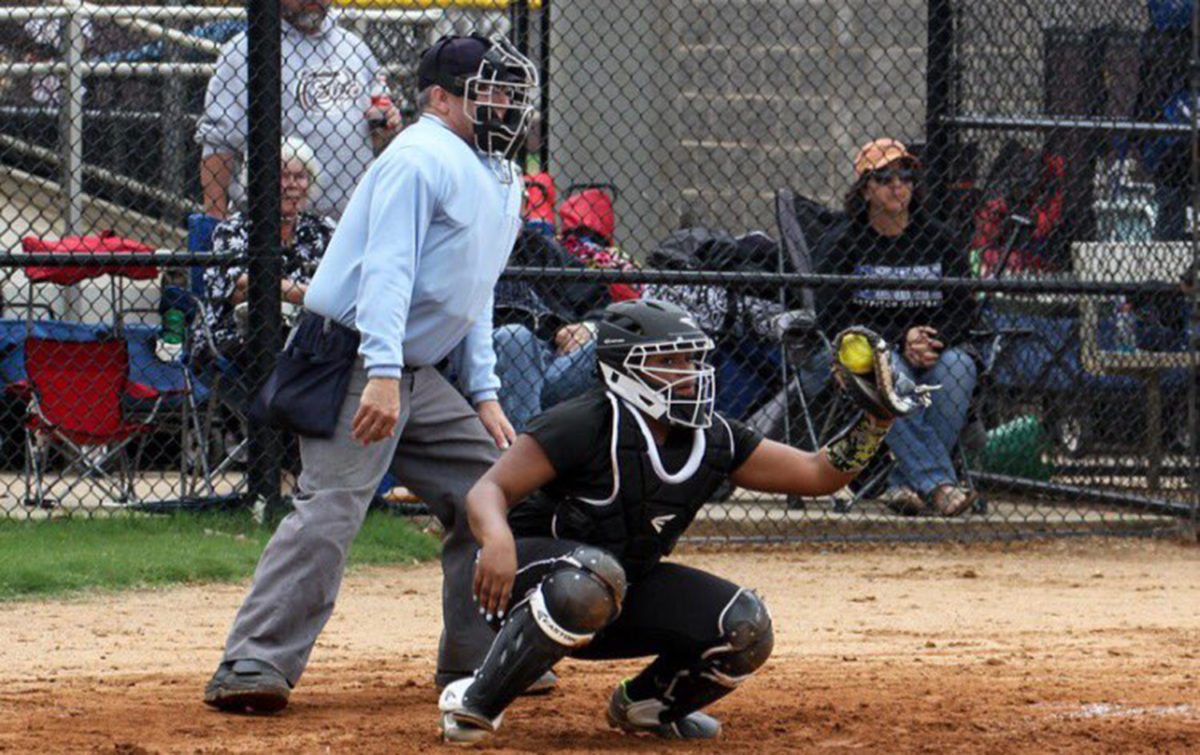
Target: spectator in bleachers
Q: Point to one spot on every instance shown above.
(886, 234)
(329, 79)
(42, 43)
(539, 368)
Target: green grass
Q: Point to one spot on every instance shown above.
(45, 558)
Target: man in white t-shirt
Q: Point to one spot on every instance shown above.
(329, 79)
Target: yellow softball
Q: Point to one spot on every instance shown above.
(856, 354)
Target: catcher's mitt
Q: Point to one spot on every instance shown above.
(862, 366)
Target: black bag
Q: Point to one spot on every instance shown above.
(305, 391)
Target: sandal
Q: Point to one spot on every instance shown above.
(903, 501)
(951, 500)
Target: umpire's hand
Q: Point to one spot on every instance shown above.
(496, 423)
(378, 411)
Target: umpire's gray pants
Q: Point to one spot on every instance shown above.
(439, 450)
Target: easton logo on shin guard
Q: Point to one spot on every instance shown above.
(553, 630)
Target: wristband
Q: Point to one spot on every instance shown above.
(851, 450)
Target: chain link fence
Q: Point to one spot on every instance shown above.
(1005, 191)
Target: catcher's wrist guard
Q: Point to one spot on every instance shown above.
(862, 366)
(853, 448)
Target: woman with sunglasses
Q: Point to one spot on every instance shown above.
(886, 234)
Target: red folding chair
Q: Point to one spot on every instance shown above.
(73, 395)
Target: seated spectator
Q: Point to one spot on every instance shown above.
(303, 236)
(543, 334)
(886, 234)
(538, 372)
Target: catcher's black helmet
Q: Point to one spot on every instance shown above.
(631, 331)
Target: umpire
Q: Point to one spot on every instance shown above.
(405, 286)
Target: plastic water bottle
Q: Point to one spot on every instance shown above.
(1126, 325)
(170, 340)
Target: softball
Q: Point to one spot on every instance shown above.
(855, 354)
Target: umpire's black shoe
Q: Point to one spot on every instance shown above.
(641, 717)
(247, 686)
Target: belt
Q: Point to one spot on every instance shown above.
(319, 335)
(325, 334)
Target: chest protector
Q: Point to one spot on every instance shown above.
(649, 507)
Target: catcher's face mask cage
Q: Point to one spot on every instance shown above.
(682, 396)
(499, 99)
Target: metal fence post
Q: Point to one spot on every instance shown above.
(71, 135)
(544, 74)
(519, 14)
(172, 124)
(72, 123)
(264, 134)
(1194, 297)
(938, 86)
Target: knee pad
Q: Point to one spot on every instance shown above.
(580, 598)
(602, 564)
(747, 639)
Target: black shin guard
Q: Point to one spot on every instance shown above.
(747, 639)
(564, 612)
(520, 654)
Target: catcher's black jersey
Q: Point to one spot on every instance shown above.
(615, 488)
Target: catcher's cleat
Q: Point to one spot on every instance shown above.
(641, 717)
(459, 724)
(247, 686)
(543, 685)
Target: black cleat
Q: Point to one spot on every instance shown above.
(544, 684)
(641, 717)
(247, 686)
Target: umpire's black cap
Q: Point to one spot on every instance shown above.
(450, 61)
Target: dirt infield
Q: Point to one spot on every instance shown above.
(1080, 647)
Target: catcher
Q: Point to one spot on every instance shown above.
(619, 473)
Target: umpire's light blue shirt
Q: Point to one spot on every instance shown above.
(417, 253)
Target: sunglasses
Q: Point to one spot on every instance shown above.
(886, 176)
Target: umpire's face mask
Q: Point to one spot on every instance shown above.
(498, 100)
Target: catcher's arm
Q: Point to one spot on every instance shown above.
(522, 469)
(779, 468)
